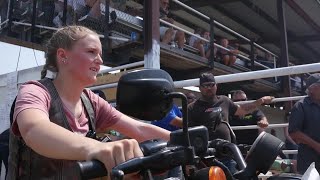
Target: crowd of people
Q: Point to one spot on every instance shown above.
(50, 13)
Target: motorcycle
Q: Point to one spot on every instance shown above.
(148, 94)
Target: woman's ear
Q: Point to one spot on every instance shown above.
(61, 54)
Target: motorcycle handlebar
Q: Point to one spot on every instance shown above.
(166, 158)
(91, 169)
(226, 148)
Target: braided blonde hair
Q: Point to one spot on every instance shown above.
(64, 38)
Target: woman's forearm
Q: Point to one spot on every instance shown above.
(138, 130)
(154, 132)
(53, 141)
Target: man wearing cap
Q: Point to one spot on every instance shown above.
(304, 125)
(202, 111)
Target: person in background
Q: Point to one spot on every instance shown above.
(172, 121)
(304, 125)
(206, 45)
(228, 58)
(255, 118)
(197, 43)
(168, 34)
(191, 97)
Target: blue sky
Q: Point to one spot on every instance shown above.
(10, 54)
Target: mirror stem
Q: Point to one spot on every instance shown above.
(184, 101)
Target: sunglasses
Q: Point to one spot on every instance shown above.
(208, 85)
(245, 99)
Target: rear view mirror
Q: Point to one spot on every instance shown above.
(265, 149)
(261, 155)
(143, 94)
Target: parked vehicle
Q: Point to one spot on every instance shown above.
(148, 94)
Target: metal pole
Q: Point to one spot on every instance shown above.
(283, 71)
(264, 49)
(151, 31)
(106, 40)
(275, 66)
(183, 30)
(300, 69)
(4, 22)
(252, 55)
(275, 100)
(64, 13)
(211, 45)
(284, 60)
(11, 5)
(105, 86)
(257, 127)
(135, 64)
(33, 21)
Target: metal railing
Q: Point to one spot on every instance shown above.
(224, 27)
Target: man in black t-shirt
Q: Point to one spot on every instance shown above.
(201, 112)
(255, 118)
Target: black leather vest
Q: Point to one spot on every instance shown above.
(24, 163)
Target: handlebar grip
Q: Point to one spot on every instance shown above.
(91, 169)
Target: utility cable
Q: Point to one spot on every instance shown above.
(18, 59)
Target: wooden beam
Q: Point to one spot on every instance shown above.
(296, 8)
(284, 57)
(18, 42)
(306, 38)
(151, 34)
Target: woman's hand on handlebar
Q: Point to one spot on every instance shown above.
(114, 153)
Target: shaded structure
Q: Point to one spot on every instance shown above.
(285, 31)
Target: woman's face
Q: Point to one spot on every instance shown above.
(84, 59)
